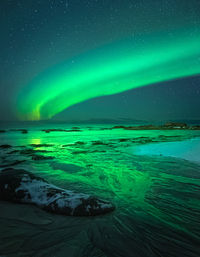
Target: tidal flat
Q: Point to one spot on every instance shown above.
(155, 194)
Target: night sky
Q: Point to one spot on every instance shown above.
(64, 42)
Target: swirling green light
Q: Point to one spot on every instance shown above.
(109, 70)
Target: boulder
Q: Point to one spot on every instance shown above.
(21, 186)
(38, 157)
(176, 125)
(23, 131)
(41, 145)
(5, 146)
(12, 163)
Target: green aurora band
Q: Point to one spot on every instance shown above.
(111, 69)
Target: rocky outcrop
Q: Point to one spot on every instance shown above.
(38, 157)
(176, 125)
(61, 130)
(166, 126)
(21, 186)
(41, 145)
(12, 163)
(23, 131)
(5, 146)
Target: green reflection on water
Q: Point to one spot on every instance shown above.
(149, 192)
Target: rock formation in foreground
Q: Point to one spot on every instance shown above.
(21, 186)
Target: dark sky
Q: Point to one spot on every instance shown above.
(38, 34)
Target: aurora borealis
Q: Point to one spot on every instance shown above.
(91, 59)
(111, 69)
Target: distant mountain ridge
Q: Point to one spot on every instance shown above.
(105, 121)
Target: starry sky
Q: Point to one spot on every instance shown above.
(38, 35)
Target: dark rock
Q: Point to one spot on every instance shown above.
(143, 127)
(23, 131)
(46, 131)
(73, 130)
(118, 127)
(167, 126)
(54, 130)
(32, 152)
(38, 157)
(61, 130)
(79, 143)
(98, 143)
(124, 139)
(42, 145)
(20, 186)
(98, 151)
(27, 151)
(80, 152)
(176, 125)
(5, 146)
(195, 127)
(105, 128)
(76, 144)
(14, 151)
(12, 163)
(2, 131)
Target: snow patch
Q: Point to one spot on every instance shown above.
(37, 192)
